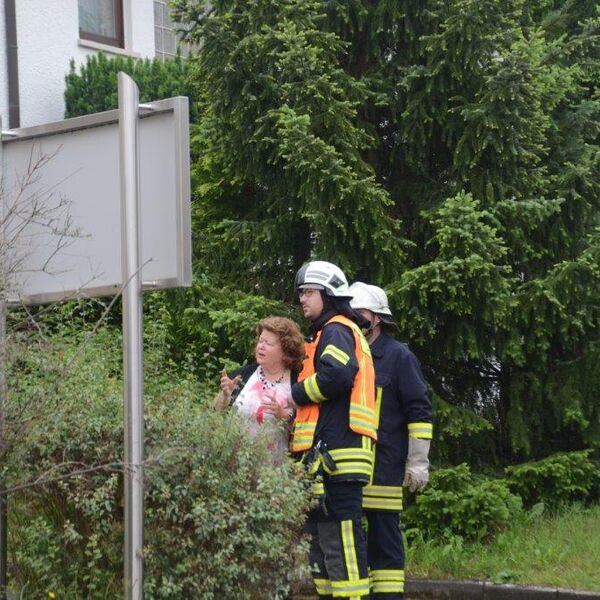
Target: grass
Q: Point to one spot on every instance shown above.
(559, 550)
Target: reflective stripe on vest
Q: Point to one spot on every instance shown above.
(362, 398)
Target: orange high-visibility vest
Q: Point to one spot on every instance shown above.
(362, 398)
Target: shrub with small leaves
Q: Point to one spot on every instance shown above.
(458, 503)
(556, 480)
(222, 518)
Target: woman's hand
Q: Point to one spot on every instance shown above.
(280, 411)
(228, 384)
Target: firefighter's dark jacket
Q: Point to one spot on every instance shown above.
(335, 380)
(403, 408)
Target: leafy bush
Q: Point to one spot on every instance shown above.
(222, 521)
(95, 87)
(458, 503)
(556, 480)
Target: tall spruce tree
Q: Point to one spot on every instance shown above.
(282, 172)
(446, 150)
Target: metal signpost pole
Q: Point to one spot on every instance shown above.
(3, 498)
(132, 338)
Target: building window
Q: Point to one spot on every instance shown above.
(165, 37)
(102, 21)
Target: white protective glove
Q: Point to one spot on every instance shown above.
(416, 473)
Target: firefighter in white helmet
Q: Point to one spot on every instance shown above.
(334, 429)
(404, 415)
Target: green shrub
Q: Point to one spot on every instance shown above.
(556, 480)
(222, 521)
(95, 87)
(457, 503)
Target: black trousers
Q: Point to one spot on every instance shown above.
(386, 555)
(338, 550)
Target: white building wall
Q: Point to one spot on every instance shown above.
(140, 26)
(48, 38)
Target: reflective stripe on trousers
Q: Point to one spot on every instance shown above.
(338, 552)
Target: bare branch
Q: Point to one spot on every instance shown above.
(35, 212)
(118, 467)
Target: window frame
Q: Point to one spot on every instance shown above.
(163, 29)
(118, 41)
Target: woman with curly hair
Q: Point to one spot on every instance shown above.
(258, 391)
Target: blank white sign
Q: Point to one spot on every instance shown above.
(62, 206)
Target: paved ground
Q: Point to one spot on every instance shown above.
(427, 589)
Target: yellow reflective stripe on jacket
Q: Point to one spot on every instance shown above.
(382, 497)
(352, 460)
(318, 488)
(340, 454)
(388, 491)
(378, 399)
(336, 353)
(377, 503)
(347, 461)
(352, 468)
(312, 389)
(420, 430)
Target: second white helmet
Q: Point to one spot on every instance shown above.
(372, 298)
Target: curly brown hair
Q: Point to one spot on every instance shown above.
(290, 338)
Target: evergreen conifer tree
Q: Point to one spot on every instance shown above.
(446, 150)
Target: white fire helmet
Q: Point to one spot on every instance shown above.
(322, 275)
(372, 298)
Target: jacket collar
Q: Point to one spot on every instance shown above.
(320, 321)
(378, 346)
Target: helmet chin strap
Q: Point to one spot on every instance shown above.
(327, 303)
(371, 328)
